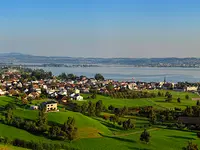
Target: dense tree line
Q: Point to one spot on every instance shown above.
(36, 74)
(89, 108)
(64, 76)
(34, 145)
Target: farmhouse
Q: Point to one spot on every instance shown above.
(191, 88)
(50, 106)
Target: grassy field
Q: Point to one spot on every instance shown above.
(160, 139)
(158, 102)
(87, 126)
(111, 136)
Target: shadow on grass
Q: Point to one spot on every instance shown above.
(181, 137)
(175, 129)
(136, 118)
(136, 148)
(118, 138)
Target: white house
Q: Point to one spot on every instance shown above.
(33, 107)
(78, 98)
(2, 92)
(77, 91)
(191, 88)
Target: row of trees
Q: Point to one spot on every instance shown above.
(128, 94)
(89, 108)
(34, 145)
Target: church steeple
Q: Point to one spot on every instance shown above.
(164, 79)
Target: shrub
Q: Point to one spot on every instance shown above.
(198, 134)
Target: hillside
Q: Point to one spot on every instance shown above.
(98, 133)
(151, 62)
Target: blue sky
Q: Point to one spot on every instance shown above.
(101, 28)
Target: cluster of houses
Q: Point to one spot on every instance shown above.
(11, 84)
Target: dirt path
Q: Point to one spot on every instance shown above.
(119, 135)
(132, 133)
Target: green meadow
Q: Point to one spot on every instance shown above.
(158, 102)
(97, 134)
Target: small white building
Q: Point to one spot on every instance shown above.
(2, 92)
(33, 107)
(77, 91)
(79, 98)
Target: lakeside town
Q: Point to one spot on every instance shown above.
(70, 87)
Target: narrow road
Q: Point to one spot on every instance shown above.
(125, 134)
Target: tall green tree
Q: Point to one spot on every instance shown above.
(91, 109)
(42, 120)
(152, 116)
(9, 116)
(145, 136)
(187, 96)
(99, 77)
(84, 107)
(99, 107)
(70, 129)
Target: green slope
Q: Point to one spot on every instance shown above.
(86, 125)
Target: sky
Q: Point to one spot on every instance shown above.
(101, 28)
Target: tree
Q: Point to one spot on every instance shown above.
(198, 103)
(70, 129)
(162, 117)
(99, 77)
(54, 132)
(188, 111)
(159, 94)
(179, 100)
(84, 107)
(187, 96)
(111, 107)
(42, 120)
(145, 136)
(152, 116)
(169, 98)
(63, 76)
(114, 118)
(9, 116)
(191, 146)
(167, 94)
(10, 106)
(117, 112)
(128, 125)
(124, 111)
(198, 134)
(91, 109)
(99, 107)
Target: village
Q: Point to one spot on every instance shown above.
(61, 91)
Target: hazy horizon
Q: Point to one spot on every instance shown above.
(101, 29)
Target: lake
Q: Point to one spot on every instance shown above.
(125, 73)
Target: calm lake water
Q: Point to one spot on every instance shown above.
(139, 74)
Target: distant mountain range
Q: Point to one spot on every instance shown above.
(140, 62)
